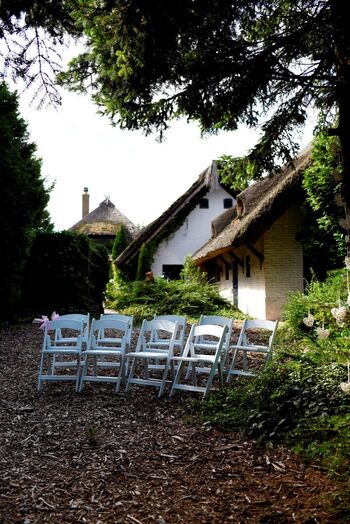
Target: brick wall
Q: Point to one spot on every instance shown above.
(283, 264)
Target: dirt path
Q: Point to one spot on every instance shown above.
(150, 464)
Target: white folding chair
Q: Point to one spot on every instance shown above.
(105, 354)
(256, 336)
(62, 355)
(204, 342)
(124, 318)
(195, 356)
(156, 358)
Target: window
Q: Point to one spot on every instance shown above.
(172, 271)
(228, 203)
(203, 203)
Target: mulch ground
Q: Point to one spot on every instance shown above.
(100, 457)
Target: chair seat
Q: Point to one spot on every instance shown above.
(197, 358)
(148, 354)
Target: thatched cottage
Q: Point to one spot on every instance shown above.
(102, 223)
(253, 254)
(183, 228)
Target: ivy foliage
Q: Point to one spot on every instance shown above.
(322, 236)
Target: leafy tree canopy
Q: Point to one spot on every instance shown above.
(219, 63)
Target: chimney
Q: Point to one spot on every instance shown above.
(86, 198)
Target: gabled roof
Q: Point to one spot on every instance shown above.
(256, 209)
(207, 179)
(104, 221)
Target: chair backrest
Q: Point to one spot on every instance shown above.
(217, 339)
(267, 329)
(62, 329)
(117, 331)
(166, 330)
(81, 317)
(181, 329)
(220, 321)
(125, 318)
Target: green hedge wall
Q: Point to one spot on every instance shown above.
(66, 273)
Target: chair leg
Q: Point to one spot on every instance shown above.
(176, 380)
(210, 380)
(220, 375)
(165, 374)
(40, 386)
(121, 373)
(232, 366)
(84, 372)
(131, 374)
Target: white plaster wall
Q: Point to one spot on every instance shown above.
(251, 290)
(192, 234)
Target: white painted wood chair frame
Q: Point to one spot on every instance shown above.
(156, 339)
(244, 347)
(55, 355)
(124, 318)
(203, 342)
(80, 317)
(195, 356)
(153, 357)
(108, 353)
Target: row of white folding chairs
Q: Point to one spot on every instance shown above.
(159, 347)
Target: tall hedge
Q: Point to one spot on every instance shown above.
(66, 273)
(23, 201)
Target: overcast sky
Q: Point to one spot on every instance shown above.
(142, 177)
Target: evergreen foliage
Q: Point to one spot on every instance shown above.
(23, 200)
(66, 273)
(181, 297)
(220, 64)
(144, 261)
(120, 242)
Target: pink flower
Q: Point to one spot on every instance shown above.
(44, 320)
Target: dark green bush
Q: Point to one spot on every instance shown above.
(188, 298)
(67, 273)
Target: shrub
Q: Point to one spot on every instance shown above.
(66, 272)
(297, 398)
(188, 298)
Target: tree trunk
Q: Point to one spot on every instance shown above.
(341, 37)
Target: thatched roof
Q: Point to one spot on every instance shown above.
(184, 204)
(104, 221)
(256, 209)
